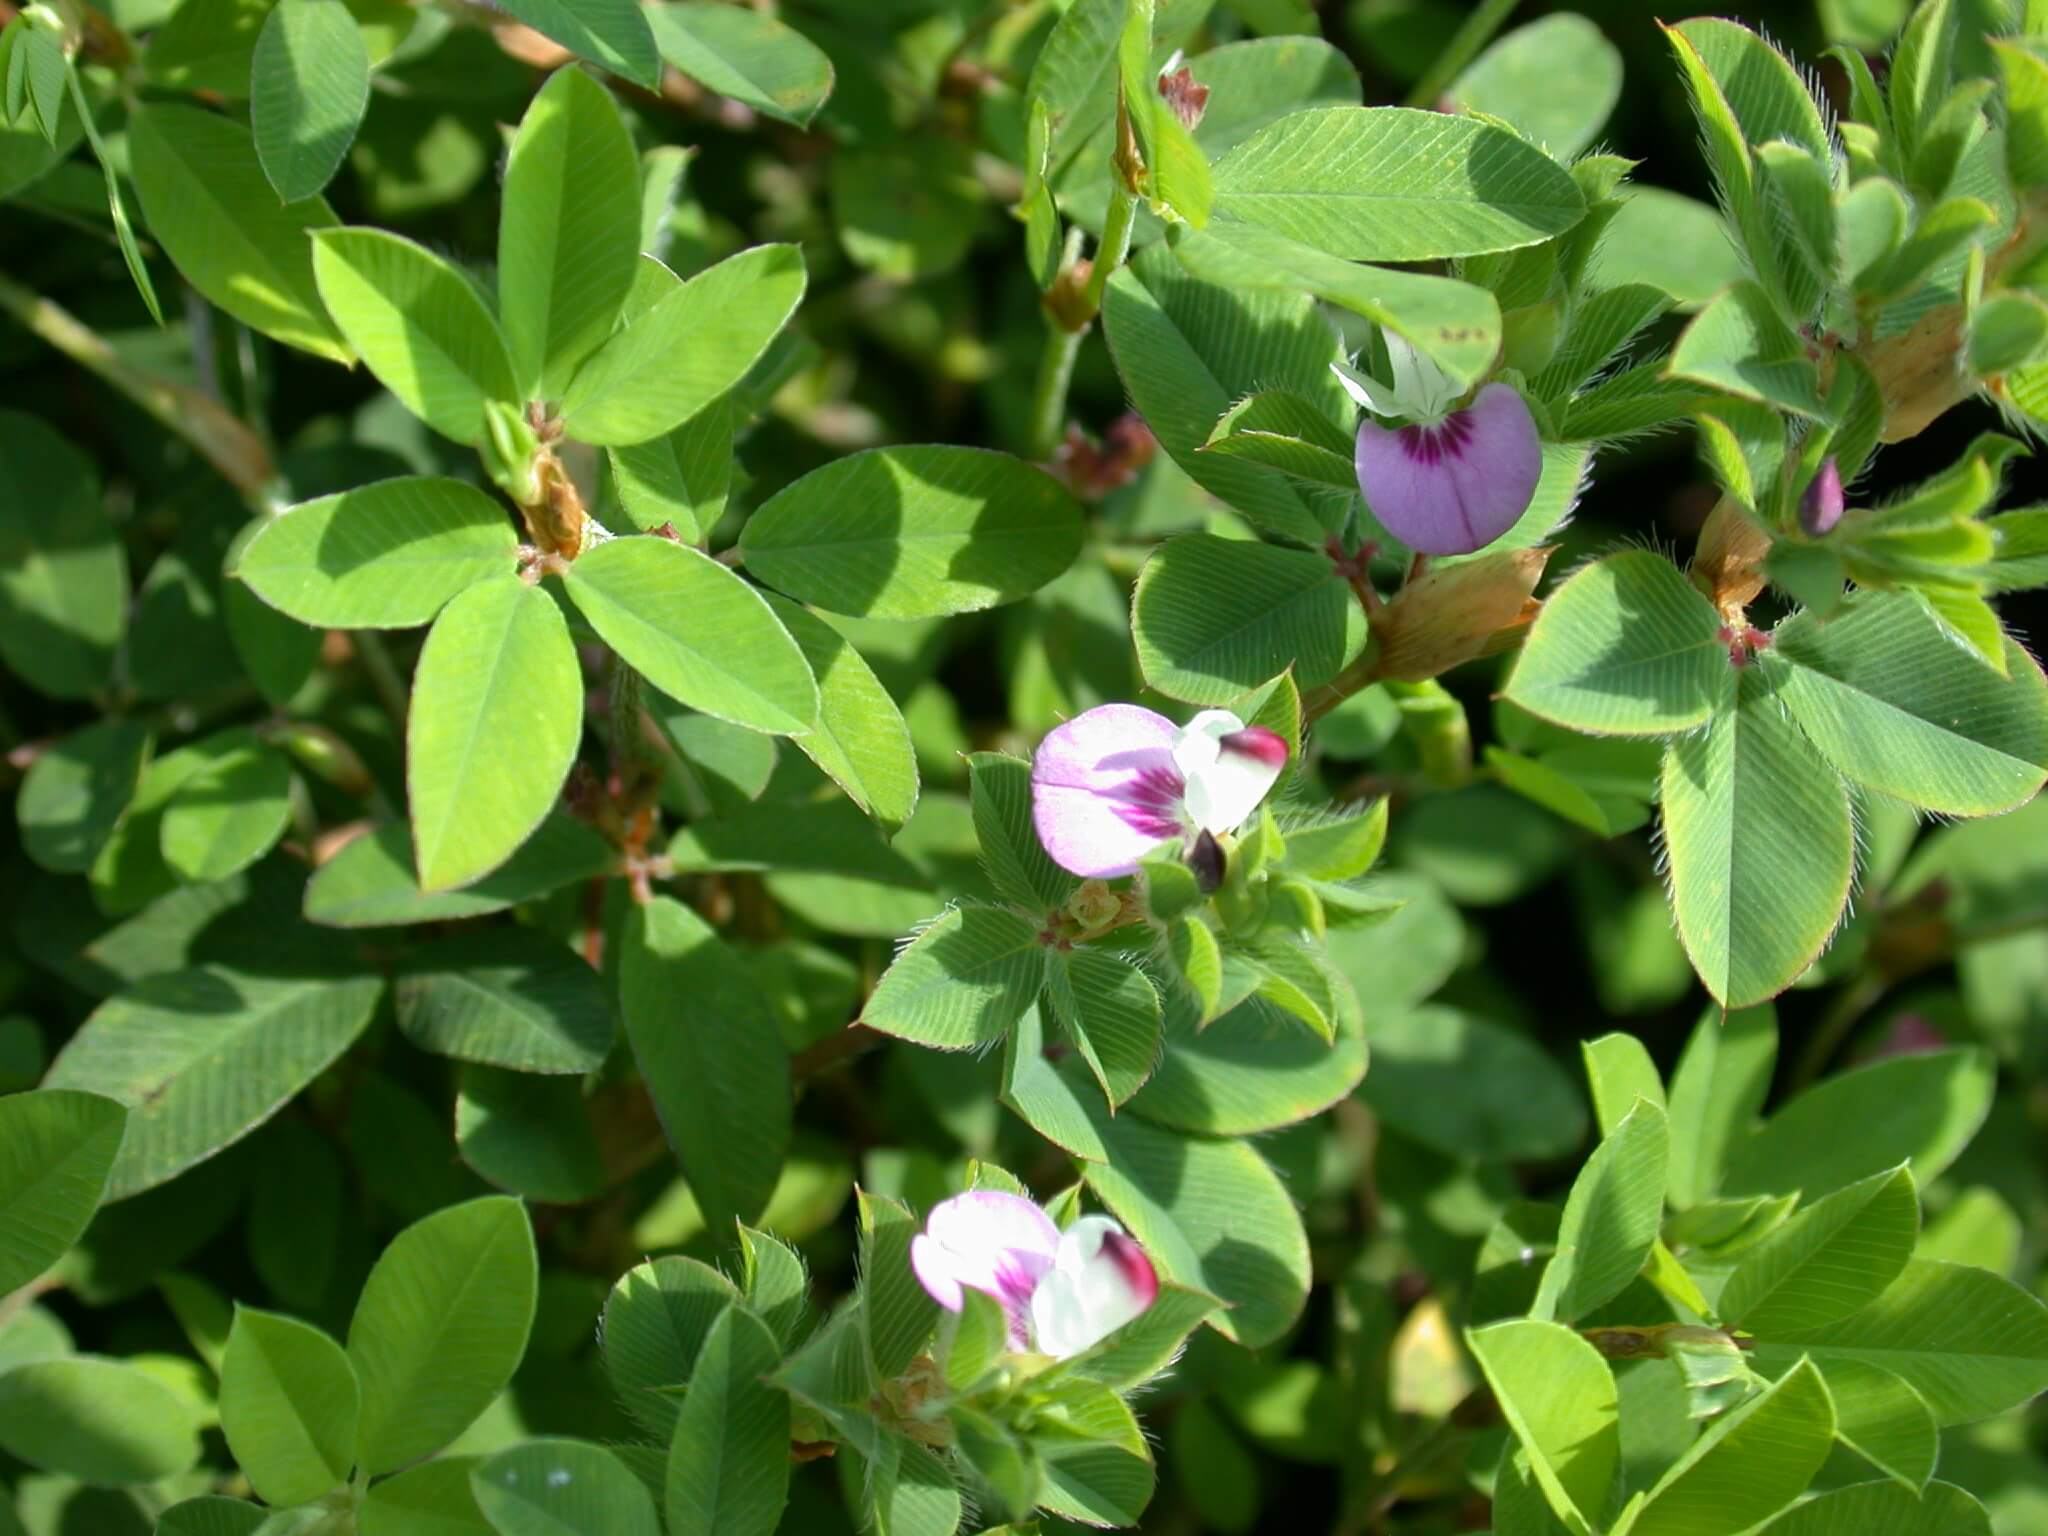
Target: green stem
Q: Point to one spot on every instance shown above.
(1049, 395)
(231, 448)
(384, 678)
(1463, 48)
(1114, 246)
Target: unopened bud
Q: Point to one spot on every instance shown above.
(1820, 507)
(1094, 904)
(1205, 858)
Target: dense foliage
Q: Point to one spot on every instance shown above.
(991, 765)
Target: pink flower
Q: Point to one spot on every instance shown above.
(1114, 783)
(1448, 481)
(1061, 1291)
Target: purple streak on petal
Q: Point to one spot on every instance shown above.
(997, 1243)
(1255, 741)
(1458, 485)
(1136, 1269)
(1105, 791)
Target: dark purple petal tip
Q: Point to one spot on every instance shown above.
(1453, 486)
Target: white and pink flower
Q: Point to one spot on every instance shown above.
(1444, 481)
(1112, 784)
(1061, 1291)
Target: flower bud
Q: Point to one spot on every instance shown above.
(1820, 507)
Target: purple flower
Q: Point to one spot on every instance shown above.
(1113, 783)
(1061, 1291)
(1449, 481)
(1820, 506)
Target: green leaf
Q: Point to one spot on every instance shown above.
(1762, 88)
(1761, 847)
(1284, 432)
(1214, 617)
(206, 45)
(1522, 81)
(728, 1465)
(655, 1324)
(962, 982)
(1559, 1398)
(1971, 1343)
(1669, 241)
(1111, 1011)
(529, 1135)
(777, 1284)
(679, 353)
(1626, 647)
(1885, 1509)
(568, 231)
(1619, 1071)
(2009, 330)
(202, 1057)
(1611, 1219)
(440, 1327)
(1739, 343)
(1464, 1086)
(1921, 1109)
(909, 1490)
(1098, 1467)
(897, 1314)
(1883, 1420)
(1455, 324)
(1189, 350)
(1047, 1099)
(613, 33)
(387, 555)
(1717, 1090)
(104, 1422)
(74, 793)
(56, 1151)
(308, 88)
(433, 1499)
(419, 326)
(1749, 1466)
(746, 55)
(1248, 1071)
(910, 533)
(63, 573)
(1899, 708)
(288, 1404)
(1016, 861)
(505, 997)
(978, 1341)
(1212, 1215)
(211, 1515)
(680, 478)
(227, 814)
(2025, 70)
(562, 1488)
(495, 720)
(1835, 1255)
(371, 883)
(707, 1042)
(1396, 184)
(697, 631)
(209, 204)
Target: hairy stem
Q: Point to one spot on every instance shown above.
(1049, 394)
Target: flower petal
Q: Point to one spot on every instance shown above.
(1228, 768)
(998, 1243)
(1104, 790)
(1099, 1281)
(1457, 486)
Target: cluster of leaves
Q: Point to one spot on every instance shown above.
(426, 821)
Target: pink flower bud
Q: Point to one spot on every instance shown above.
(1820, 507)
